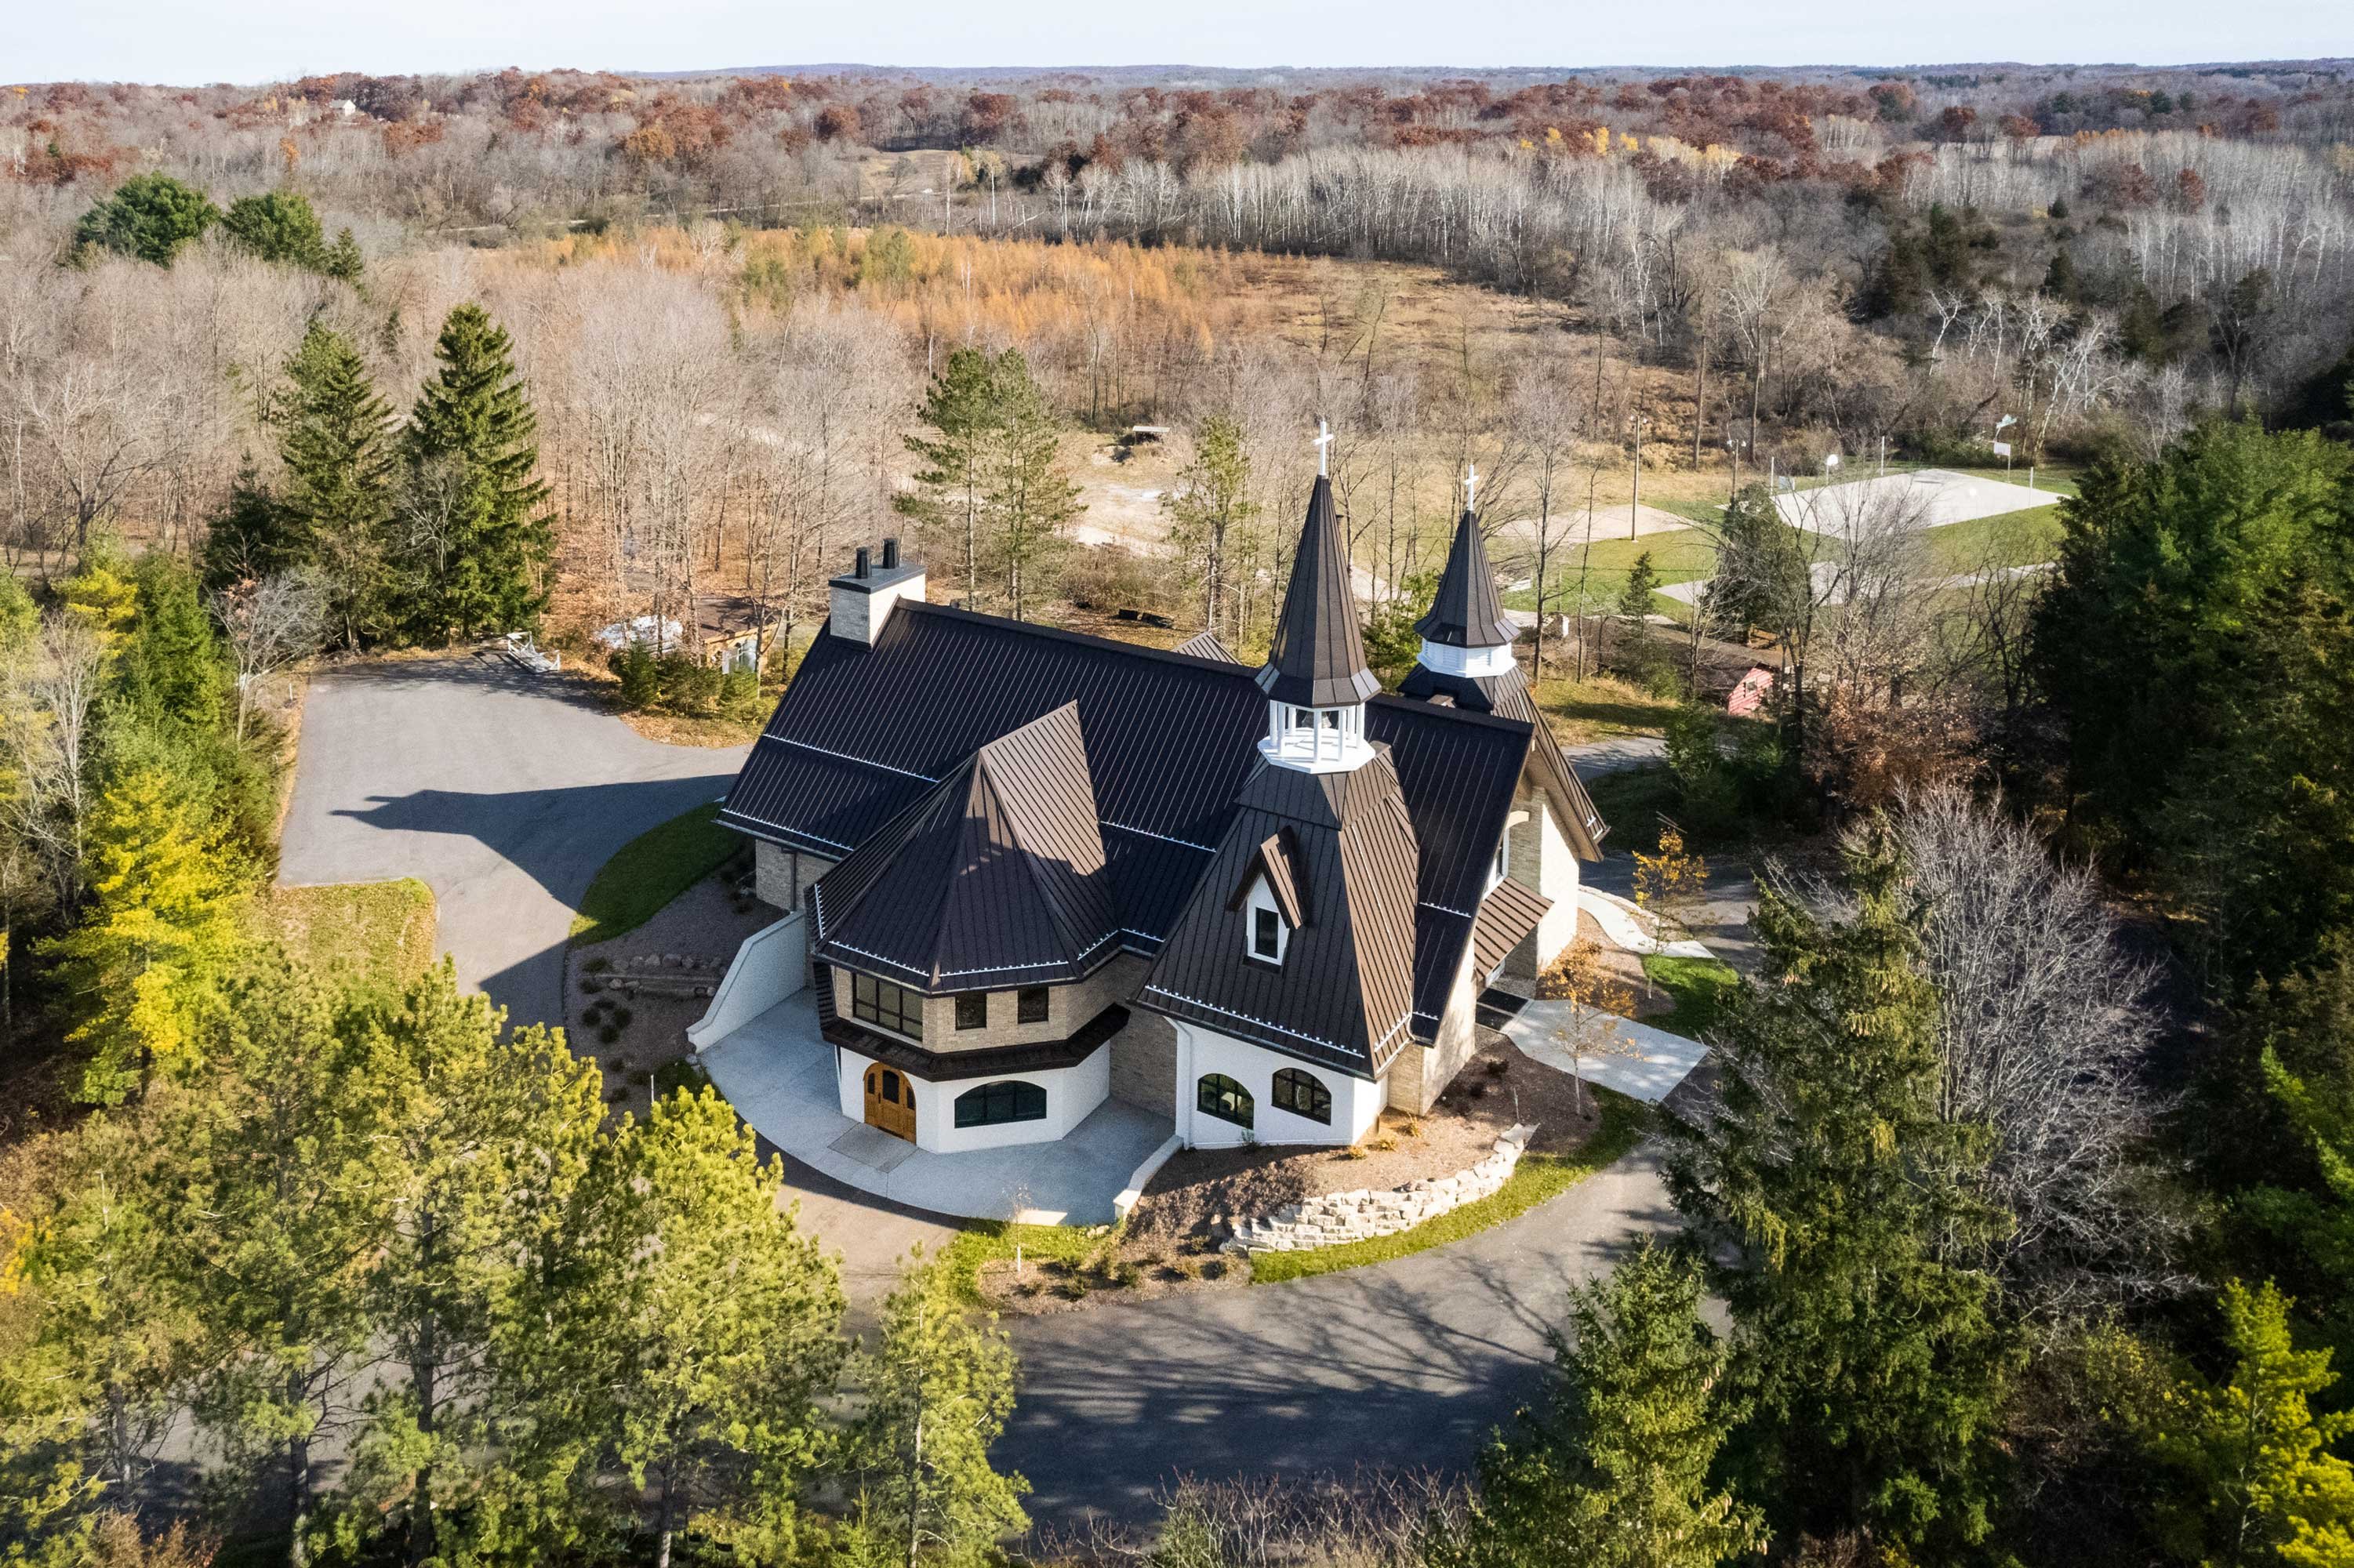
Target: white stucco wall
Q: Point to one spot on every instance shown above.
(1356, 1104)
(1072, 1095)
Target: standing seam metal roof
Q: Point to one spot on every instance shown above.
(1465, 612)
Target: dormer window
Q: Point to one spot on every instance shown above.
(1266, 933)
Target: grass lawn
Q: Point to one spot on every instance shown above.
(1680, 556)
(365, 933)
(1535, 1180)
(650, 870)
(989, 1241)
(2013, 539)
(1698, 986)
(1600, 706)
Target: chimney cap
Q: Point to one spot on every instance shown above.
(890, 553)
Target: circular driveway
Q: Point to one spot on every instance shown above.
(502, 791)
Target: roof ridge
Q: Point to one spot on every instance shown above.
(1063, 634)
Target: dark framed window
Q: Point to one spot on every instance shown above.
(992, 1104)
(1302, 1094)
(887, 1006)
(1030, 1004)
(1219, 1096)
(1267, 934)
(972, 1009)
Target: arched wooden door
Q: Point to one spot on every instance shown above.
(891, 1102)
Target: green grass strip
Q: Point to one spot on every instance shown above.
(990, 1241)
(1699, 987)
(648, 872)
(1535, 1178)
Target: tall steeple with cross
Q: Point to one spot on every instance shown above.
(1315, 677)
(1466, 632)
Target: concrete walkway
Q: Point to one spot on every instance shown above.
(503, 791)
(779, 1075)
(1621, 1053)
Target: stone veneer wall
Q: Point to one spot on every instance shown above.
(1338, 1217)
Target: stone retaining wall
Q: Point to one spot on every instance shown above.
(1338, 1217)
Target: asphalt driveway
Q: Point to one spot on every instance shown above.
(503, 791)
(1407, 1366)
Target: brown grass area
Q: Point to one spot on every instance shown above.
(363, 933)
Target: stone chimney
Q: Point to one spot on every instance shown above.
(863, 597)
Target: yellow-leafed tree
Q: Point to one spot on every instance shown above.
(145, 961)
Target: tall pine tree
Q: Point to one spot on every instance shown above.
(473, 540)
(336, 436)
(952, 492)
(1874, 1349)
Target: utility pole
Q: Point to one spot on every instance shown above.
(1635, 507)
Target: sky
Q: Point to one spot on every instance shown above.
(198, 41)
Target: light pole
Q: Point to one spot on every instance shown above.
(1635, 507)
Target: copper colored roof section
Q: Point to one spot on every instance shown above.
(1508, 913)
(1508, 696)
(1466, 613)
(1278, 860)
(1344, 995)
(996, 877)
(1317, 660)
(1205, 645)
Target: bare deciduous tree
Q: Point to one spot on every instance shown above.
(268, 625)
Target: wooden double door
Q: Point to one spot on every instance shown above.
(891, 1102)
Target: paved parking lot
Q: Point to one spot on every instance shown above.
(502, 792)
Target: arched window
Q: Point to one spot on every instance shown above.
(993, 1104)
(1221, 1096)
(1302, 1094)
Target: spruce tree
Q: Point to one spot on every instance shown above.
(1869, 1338)
(1616, 1473)
(249, 538)
(170, 666)
(336, 436)
(474, 543)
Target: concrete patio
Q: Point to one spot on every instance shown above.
(779, 1075)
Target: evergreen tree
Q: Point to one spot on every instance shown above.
(1207, 507)
(144, 964)
(1030, 502)
(289, 1198)
(87, 1394)
(249, 538)
(1642, 583)
(335, 436)
(1871, 1346)
(103, 594)
(1761, 579)
(2263, 1485)
(960, 407)
(150, 216)
(20, 616)
(716, 1323)
(277, 227)
(939, 1388)
(474, 541)
(472, 1119)
(1616, 1473)
(169, 664)
(343, 259)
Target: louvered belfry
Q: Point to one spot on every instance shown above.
(1466, 613)
(1317, 660)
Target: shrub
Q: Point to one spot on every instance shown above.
(680, 1072)
(635, 667)
(622, 1015)
(607, 1034)
(598, 966)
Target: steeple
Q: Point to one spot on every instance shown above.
(1317, 659)
(1315, 676)
(1466, 632)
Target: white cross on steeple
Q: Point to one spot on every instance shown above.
(1323, 445)
(1471, 487)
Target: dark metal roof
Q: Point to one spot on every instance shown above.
(1508, 696)
(1205, 645)
(1277, 859)
(987, 1062)
(996, 877)
(1508, 913)
(1466, 613)
(1344, 995)
(865, 735)
(1317, 659)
